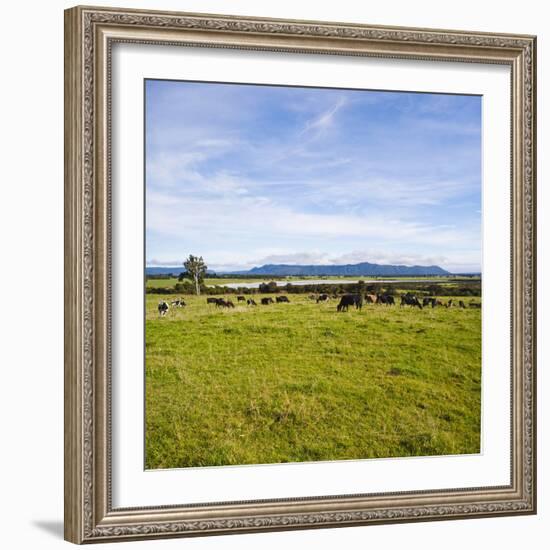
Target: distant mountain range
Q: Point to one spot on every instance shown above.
(284, 270)
(361, 269)
(155, 270)
(167, 271)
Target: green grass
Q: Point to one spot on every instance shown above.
(300, 382)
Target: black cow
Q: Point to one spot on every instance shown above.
(430, 302)
(212, 300)
(410, 300)
(461, 304)
(220, 302)
(281, 299)
(386, 299)
(163, 308)
(241, 299)
(251, 302)
(267, 301)
(350, 300)
(323, 298)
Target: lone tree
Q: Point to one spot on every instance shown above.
(195, 269)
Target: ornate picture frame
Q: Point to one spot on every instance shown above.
(90, 34)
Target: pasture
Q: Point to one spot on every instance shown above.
(300, 382)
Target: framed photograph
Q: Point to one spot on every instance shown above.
(300, 274)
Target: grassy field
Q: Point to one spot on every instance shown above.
(299, 382)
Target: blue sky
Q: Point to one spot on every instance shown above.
(246, 175)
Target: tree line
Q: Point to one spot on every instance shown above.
(188, 287)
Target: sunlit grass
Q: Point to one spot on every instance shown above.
(300, 382)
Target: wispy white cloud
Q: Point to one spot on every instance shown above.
(323, 121)
(243, 174)
(232, 216)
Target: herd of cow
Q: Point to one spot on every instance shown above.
(220, 302)
(407, 299)
(347, 300)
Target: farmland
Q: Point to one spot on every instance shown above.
(300, 382)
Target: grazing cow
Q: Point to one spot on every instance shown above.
(323, 298)
(386, 299)
(212, 300)
(410, 300)
(220, 302)
(241, 299)
(438, 303)
(449, 303)
(267, 301)
(461, 304)
(251, 302)
(178, 303)
(163, 308)
(475, 304)
(430, 302)
(350, 300)
(371, 298)
(281, 299)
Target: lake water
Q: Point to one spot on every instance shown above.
(330, 282)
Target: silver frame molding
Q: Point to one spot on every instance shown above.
(89, 35)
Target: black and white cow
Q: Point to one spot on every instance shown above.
(410, 300)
